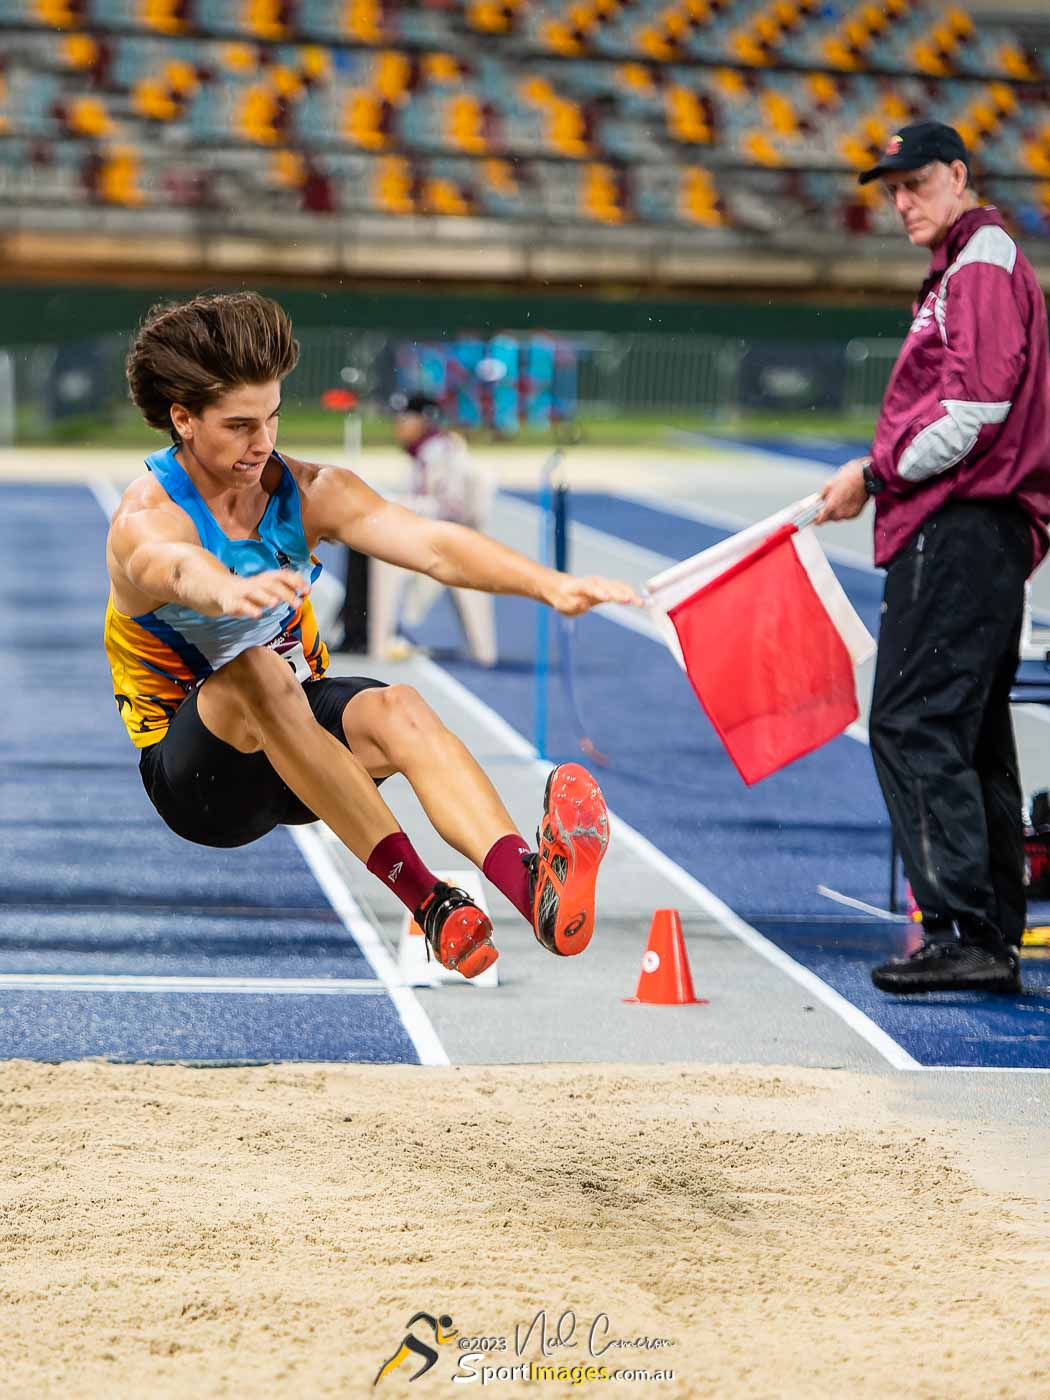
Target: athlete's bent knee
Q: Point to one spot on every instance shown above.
(410, 718)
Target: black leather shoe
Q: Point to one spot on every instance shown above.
(951, 967)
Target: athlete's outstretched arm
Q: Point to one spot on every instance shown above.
(149, 548)
(341, 507)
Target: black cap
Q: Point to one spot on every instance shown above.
(917, 145)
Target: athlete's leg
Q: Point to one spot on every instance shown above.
(394, 730)
(255, 702)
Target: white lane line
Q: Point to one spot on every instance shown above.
(860, 904)
(311, 845)
(415, 1020)
(243, 986)
(700, 895)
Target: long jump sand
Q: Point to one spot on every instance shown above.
(179, 1232)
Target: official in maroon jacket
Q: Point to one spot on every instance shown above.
(960, 473)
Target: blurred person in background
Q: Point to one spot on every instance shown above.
(447, 483)
(960, 473)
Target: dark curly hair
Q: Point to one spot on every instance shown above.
(194, 352)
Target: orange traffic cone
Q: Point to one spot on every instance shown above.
(665, 979)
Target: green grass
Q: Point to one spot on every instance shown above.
(309, 427)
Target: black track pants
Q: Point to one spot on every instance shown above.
(941, 733)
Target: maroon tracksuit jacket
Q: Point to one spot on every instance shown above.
(966, 415)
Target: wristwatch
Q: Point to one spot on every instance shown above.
(872, 484)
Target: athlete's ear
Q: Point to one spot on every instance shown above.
(182, 420)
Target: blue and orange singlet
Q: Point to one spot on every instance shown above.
(159, 657)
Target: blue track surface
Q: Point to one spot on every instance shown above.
(762, 850)
(94, 883)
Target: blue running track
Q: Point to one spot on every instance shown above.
(93, 884)
(764, 850)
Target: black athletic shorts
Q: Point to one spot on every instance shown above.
(212, 794)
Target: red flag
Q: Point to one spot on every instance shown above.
(769, 644)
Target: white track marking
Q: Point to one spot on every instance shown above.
(691, 887)
(852, 903)
(311, 845)
(415, 1020)
(247, 986)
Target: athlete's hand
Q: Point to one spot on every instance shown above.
(572, 596)
(845, 495)
(251, 597)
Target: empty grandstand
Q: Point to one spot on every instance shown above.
(705, 141)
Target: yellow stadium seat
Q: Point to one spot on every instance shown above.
(875, 18)
(489, 16)
(390, 76)
(263, 19)
(968, 131)
(698, 199)
(1014, 62)
(676, 24)
(780, 113)
(635, 76)
(731, 83)
(238, 58)
(559, 38)
(599, 195)
(79, 50)
(444, 197)
(499, 175)
(839, 55)
(441, 68)
(150, 97)
(315, 61)
(361, 118)
(761, 149)
(895, 107)
(1036, 157)
(984, 115)
(536, 90)
(465, 124)
(363, 21)
(118, 181)
(256, 113)
(1004, 97)
(653, 43)
(285, 81)
(766, 28)
(960, 21)
(856, 151)
(748, 50)
(88, 117)
(56, 14)
(289, 169)
(392, 185)
(927, 59)
(565, 128)
(874, 128)
(856, 32)
(823, 89)
(181, 77)
(685, 116)
(163, 16)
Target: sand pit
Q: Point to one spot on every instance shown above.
(179, 1232)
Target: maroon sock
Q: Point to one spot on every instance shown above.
(508, 872)
(395, 863)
